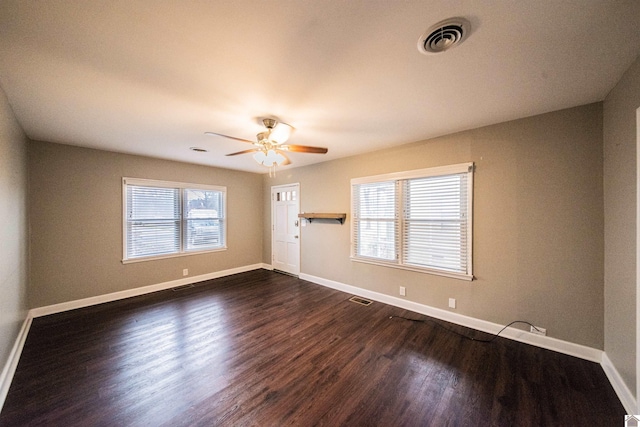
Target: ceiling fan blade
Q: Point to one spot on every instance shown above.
(303, 149)
(252, 150)
(230, 137)
(287, 161)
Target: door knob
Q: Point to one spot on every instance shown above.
(295, 237)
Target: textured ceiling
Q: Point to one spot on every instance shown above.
(150, 77)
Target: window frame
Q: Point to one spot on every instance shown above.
(183, 221)
(399, 178)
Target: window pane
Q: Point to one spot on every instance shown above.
(203, 234)
(377, 239)
(203, 219)
(375, 220)
(203, 203)
(377, 200)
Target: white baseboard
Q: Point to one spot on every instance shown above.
(86, 302)
(618, 384)
(12, 363)
(549, 343)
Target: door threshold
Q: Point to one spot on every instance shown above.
(285, 272)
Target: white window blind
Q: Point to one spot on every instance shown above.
(153, 221)
(435, 228)
(167, 218)
(419, 220)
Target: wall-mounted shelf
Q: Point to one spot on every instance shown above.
(340, 217)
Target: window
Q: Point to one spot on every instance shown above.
(163, 219)
(419, 220)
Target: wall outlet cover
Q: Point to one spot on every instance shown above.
(538, 330)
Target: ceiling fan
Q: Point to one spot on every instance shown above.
(270, 146)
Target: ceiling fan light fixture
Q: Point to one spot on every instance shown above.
(273, 158)
(262, 137)
(260, 157)
(269, 162)
(269, 158)
(280, 133)
(280, 159)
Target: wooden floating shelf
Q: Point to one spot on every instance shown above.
(340, 217)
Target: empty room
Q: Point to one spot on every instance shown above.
(283, 212)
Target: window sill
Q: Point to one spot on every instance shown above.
(153, 258)
(451, 275)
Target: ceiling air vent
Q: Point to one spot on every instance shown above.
(444, 35)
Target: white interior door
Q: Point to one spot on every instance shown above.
(285, 226)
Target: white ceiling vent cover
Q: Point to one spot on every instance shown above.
(444, 35)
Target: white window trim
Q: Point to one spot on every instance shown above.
(421, 173)
(168, 184)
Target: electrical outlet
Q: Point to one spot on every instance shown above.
(538, 330)
(452, 303)
(185, 272)
(403, 291)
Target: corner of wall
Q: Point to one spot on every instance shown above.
(622, 216)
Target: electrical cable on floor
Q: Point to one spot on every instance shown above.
(463, 335)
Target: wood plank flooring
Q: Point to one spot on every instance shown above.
(265, 349)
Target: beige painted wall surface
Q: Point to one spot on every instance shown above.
(13, 229)
(538, 222)
(620, 160)
(75, 199)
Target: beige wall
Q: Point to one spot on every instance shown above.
(538, 222)
(13, 229)
(620, 162)
(75, 197)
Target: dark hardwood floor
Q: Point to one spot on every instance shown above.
(266, 349)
